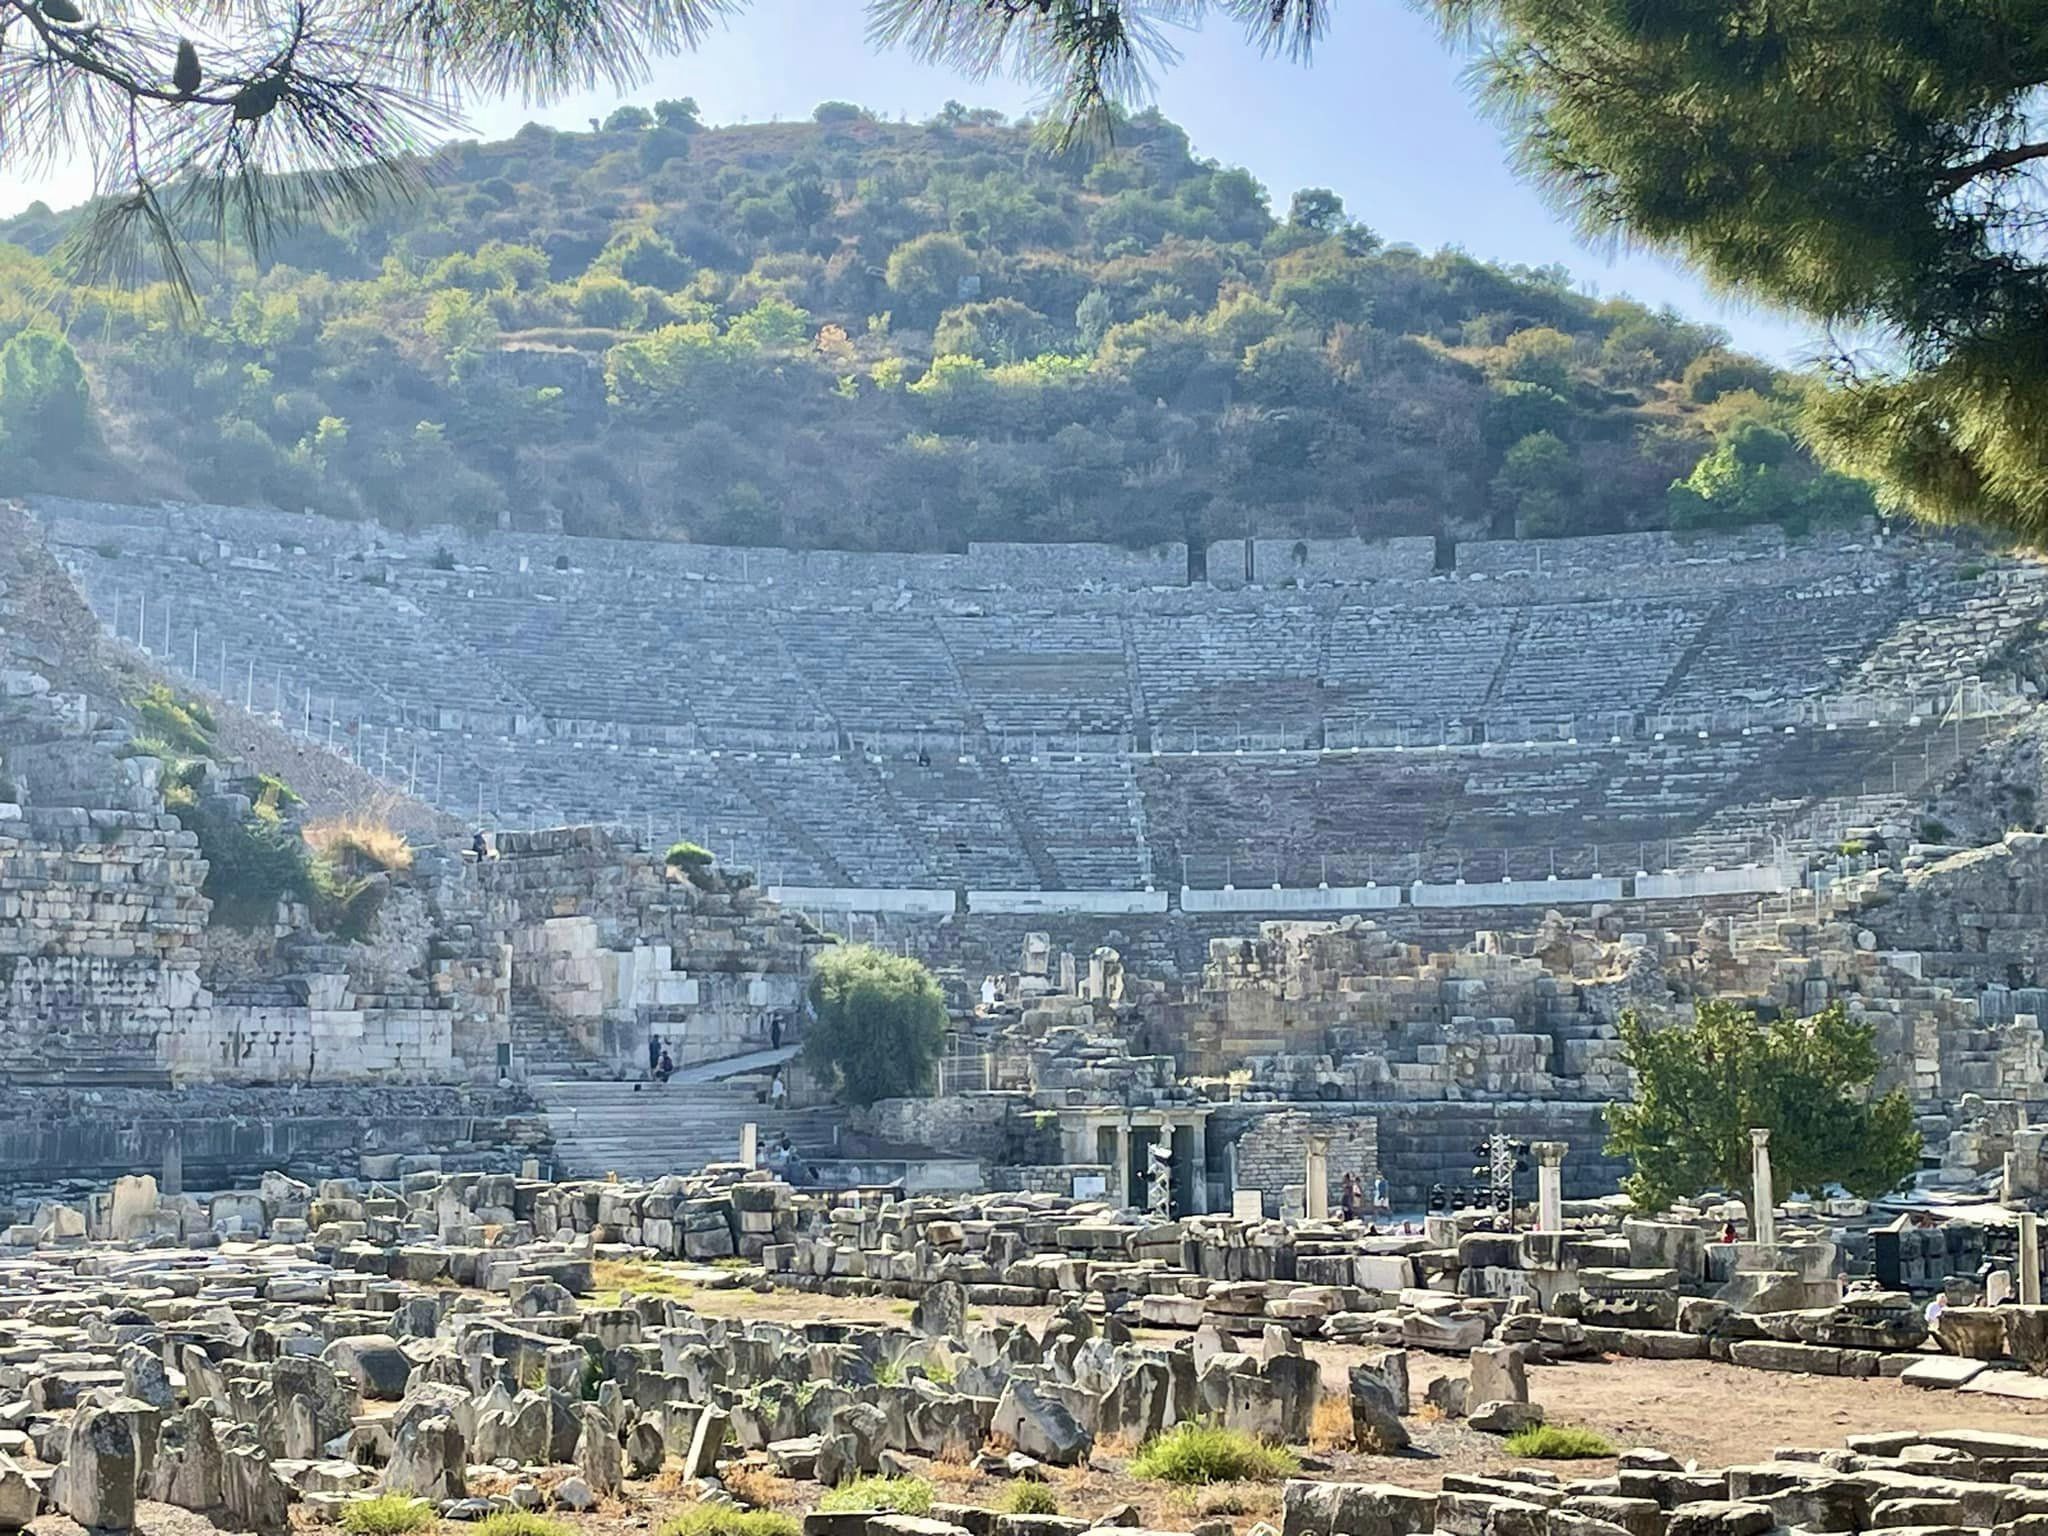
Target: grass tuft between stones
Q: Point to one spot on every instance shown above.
(729, 1520)
(1028, 1498)
(1559, 1442)
(388, 1514)
(1209, 1453)
(903, 1495)
(520, 1522)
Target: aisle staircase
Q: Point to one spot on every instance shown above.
(642, 1130)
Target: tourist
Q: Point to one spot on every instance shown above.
(1935, 1308)
(775, 1031)
(777, 1090)
(1728, 1232)
(480, 846)
(665, 1066)
(1380, 1201)
(1354, 1196)
(653, 1054)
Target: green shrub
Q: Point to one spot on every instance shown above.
(1851, 850)
(1932, 831)
(688, 855)
(1208, 1453)
(519, 1522)
(343, 905)
(1559, 1442)
(251, 864)
(185, 726)
(728, 1520)
(388, 1514)
(270, 789)
(1026, 1498)
(903, 1495)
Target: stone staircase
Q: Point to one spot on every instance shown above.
(642, 1130)
(542, 1050)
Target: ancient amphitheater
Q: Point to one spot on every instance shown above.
(1087, 729)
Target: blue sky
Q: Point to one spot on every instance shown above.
(1382, 116)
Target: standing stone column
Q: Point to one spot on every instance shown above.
(2030, 1259)
(750, 1143)
(173, 1181)
(1316, 1175)
(1763, 1220)
(1549, 1185)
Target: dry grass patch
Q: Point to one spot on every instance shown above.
(954, 1472)
(1330, 1428)
(757, 1485)
(611, 1279)
(363, 837)
(1223, 1500)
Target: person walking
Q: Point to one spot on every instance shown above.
(775, 1030)
(778, 1091)
(653, 1054)
(666, 1067)
(1354, 1196)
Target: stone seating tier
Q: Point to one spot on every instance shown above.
(774, 708)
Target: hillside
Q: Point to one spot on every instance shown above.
(857, 334)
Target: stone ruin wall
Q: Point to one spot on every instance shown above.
(604, 938)
(100, 912)
(583, 938)
(1271, 1152)
(110, 966)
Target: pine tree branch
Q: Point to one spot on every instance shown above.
(1958, 177)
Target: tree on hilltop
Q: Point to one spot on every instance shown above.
(279, 115)
(1701, 1088)
(1871, 164)
(878, 1025)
